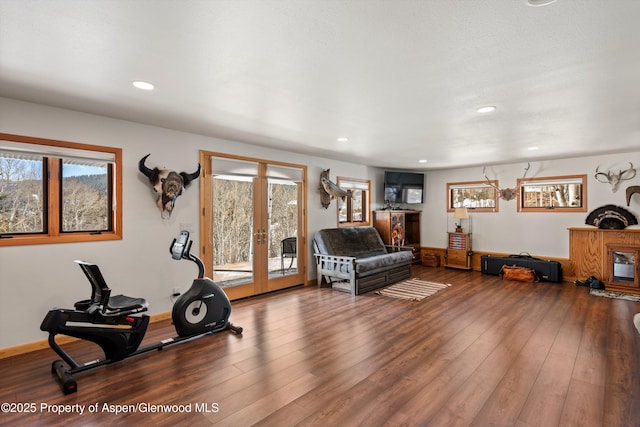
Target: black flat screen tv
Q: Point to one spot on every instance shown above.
(403, 187)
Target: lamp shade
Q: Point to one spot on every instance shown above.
(461, 213)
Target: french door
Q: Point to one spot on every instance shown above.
(253, 224)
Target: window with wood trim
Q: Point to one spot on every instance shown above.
(354, 210)
(58, 191)
(476, 195)
(553, 194)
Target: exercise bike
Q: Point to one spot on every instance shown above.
(115, 324)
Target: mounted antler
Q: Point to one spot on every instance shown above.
(507, 193)
(614, 179)
(634, 189)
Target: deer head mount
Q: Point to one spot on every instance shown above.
(614, 179)
(507, 193)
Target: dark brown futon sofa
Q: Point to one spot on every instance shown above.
(355, 260)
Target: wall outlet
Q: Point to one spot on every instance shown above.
(188, 226)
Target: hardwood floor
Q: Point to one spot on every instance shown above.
(482, 352)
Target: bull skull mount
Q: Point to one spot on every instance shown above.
(614, 179)
(166, 185)
(507, 193)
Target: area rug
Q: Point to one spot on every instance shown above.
(412, 289)
(614, 294)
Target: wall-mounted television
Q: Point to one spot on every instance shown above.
(403, 187)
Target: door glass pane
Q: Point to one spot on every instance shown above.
(232, 229)
(284, 183)
(283, 227)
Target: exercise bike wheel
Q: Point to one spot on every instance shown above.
(202, 309)
(195, 312)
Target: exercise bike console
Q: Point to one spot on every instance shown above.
(179, 245)
(116, 325)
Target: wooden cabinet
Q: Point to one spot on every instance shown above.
(458, 253)
(609, 255)
(399, 227)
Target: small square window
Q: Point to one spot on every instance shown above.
(354, 210)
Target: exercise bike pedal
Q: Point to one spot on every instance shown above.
(236, 329)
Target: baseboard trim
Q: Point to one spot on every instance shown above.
(567, 268)
(61, 339)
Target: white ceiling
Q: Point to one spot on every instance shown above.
(401, 79)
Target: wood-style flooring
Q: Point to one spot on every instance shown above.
(482, 352)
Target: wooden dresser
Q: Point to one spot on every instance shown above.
(385, 221)
(610, 255)
(458, 254)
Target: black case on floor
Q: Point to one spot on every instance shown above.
(550, 271)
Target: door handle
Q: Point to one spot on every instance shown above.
(261, 235)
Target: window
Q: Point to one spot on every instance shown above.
(354, 210)
(553, 194)
(476, 195)
(57, 191)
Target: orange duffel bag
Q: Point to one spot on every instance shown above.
(522, 274)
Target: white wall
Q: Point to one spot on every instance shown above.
(508, 231)
(37, 277)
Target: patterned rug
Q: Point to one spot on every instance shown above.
(412, 289)
(614, 294)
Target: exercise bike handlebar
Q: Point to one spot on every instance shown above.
(181, 249)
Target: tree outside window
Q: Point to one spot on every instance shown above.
(553, 194)
(476, 195)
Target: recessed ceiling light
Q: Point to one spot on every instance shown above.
(343, 139)
(486, 109)
(422, 161)
(143, 85)
(539, 2)
(533, 148)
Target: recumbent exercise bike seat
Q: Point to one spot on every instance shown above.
(101, 300)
